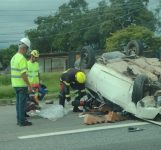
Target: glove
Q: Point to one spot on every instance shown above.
(68, 99)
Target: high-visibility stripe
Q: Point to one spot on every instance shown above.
(66, 71)
(32, 76)
(16, 69)
(66, 83)
(18, 66)
(76, 95)
(76, 91)
(33, 72)
(83, 90)
(67, 95)
(12, 76)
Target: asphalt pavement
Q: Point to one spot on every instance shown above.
(69, 132)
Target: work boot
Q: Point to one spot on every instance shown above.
(76, 109)
(26, 123)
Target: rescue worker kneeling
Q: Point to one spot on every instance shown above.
(75, 79)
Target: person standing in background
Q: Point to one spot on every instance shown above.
(34, 76)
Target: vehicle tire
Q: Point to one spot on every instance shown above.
(87, 57)
(135, 46)
(140, 89)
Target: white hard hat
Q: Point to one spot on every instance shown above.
(26, 41)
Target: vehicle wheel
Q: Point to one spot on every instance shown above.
(140, 88)
(136, 47)
(87, 57)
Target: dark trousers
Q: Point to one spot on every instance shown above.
(42, 91)
(63, 89)
(21, 99)
(62, 92)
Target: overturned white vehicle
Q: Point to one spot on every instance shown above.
(129, 81)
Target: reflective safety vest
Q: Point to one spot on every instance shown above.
(18, 67)
(33, 72)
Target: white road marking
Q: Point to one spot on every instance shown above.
(81, 130)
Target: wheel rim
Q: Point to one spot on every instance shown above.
(85, 59)
(133, 50)
(146, 91)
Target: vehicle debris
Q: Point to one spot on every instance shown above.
(53, 112)
(111, 117)
(134, 129)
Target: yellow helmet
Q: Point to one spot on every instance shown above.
(80, 77)
(35, 53)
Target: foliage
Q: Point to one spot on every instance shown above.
(154, 44)
(132, 33)
(6, 55)
(74, 25)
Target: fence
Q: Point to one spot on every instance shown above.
(57, 61)
(52, 64)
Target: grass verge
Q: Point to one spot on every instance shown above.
(50, 79)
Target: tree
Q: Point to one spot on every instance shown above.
(6, 55)
(132, 32)
(74, 25)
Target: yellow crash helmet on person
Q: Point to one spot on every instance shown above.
(26, 41)
(80, 77)
(35, 53)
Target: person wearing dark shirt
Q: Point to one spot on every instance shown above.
(75, 79)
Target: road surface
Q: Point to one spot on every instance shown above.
(69, 133)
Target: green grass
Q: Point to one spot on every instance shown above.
(51, 80)
(6, 91)
(5, 80)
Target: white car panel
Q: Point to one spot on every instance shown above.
(117, 88)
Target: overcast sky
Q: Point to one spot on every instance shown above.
(16, 16)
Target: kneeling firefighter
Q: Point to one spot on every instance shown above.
(75, 79)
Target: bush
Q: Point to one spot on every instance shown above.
(132, 32)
